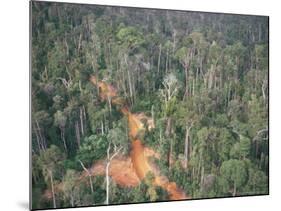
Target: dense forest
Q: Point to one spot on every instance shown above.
(136, 105)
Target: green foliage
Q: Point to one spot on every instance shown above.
(51, 160)
(70, 188)
(258, 182)
(130, 37)
(233, 176)
(117, 135)
(60, 119)
(245, 145)
(204, 81)
(92, 149)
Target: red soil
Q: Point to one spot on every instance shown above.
(129, 171)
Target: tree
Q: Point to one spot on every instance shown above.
(192, 53)
(36, 168)
(89, 175)
(257, 182)
(226, 142)
(186, 143)
(233, 175)
(130, 39)
(93, 148)
(70, 187)
(151, 190)
(170, 89)
(117, 136)
(109, 159)
(245, 145)
(185, 55)
(50, 162)
(41, 120)
(60, 121)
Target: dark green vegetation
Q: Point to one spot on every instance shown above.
(202, 77)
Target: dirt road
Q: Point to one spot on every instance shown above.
(139, 160)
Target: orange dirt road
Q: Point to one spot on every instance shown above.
(139, 161)
(138, 158)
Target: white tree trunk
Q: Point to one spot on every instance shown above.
(89, 174)
(53, 190)
(159, 58)
(81, 121)
(109, 104)
(234, 190)
(102, 128)
(129, 79)
(72, 199)
(167, 60)
(186, 143)
(43, 145)
(109, 159)
(107, 183)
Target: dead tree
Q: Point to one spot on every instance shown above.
(89, 175)
(109, 159)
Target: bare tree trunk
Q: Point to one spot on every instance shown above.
(221, 82)
(152, 113)
(171, 154)
(198, 168)
(234, 190)
(168, 127)
(107, 183)
(89, 174)
(263, 91)
(160, 138)
(77, 132)
(53, 190)
(129, 80)
(260, 32)
(79, 43)
(85, 118)
(109, 104)
(123, 84)
(167, 60)
(63, 138)
(202, 177)
(97, 84)
(72, 200)
(66, 46)
(107, 170)
(186, 146)
(186, 82)
(102, 128)
(37, 139)
(167, 134)
(193, 87)
(196, 76)
(41, 138)
(228, 95)
(174, 41)
(81, 121)
(159, 58)
(211, 78)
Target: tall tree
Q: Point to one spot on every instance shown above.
(51, 161)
